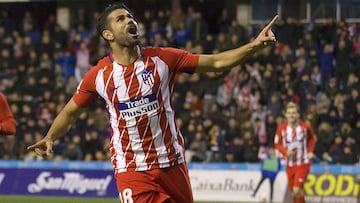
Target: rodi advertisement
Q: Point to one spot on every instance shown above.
(332, 188)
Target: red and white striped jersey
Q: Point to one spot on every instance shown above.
(299, 139)
(138, 100)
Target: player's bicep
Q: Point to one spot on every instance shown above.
(86, 91)
(179, 60)
(277, 137)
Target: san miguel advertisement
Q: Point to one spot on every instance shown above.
(89, 183)
(332, 188)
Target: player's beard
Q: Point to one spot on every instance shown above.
(128, 41)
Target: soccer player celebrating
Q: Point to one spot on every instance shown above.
(136, 83)
(7, 121)
(295, 139)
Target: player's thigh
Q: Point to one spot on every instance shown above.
(301, 175)
(290, 174)
(133, 183)
(175, 181)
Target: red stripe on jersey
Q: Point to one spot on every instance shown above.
(167, 135)
(132, 87)
(126, 147)
(147, 141)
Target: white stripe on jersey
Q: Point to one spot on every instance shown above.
(158, 143)
(165, 91)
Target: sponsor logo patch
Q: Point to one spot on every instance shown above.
(138, 107)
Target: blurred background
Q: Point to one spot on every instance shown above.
(227, 117)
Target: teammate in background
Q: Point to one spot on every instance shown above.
(7, 121)
(136, 83)
(295, 139)
(270, 167)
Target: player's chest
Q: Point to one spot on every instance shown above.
(294, 134)
(136, 80)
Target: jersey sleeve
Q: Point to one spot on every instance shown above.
(7, 120)
(86, 91)
(180, 60)
(278, 141)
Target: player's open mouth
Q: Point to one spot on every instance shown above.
(132, 31)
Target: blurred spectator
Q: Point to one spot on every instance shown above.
(234, 151)
(72, 152)
(336, 149)
(181, 35)
(198, 147)
(260, 131)
(82, 61)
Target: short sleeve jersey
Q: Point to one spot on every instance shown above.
(138, 100)
(7, 121)
(300, 139)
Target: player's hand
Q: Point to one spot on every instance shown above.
(43, 147)
(266, 36)
(289, 153)
(311, 155)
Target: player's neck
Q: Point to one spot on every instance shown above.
(125, 55)
(293, 124)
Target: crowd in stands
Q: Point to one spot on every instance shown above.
(224, 117)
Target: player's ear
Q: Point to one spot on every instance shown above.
(108, 35)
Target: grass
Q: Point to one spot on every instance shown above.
(37, 199)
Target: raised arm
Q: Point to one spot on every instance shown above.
(228, 59)
(59, 127)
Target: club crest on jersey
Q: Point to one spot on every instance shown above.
(148, 77)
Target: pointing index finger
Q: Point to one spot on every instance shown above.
(272, 22)
(32, 146)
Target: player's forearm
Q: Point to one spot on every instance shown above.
(227, 59)
(311, 146)
(281, 149)
(64, 121)
(60, 126)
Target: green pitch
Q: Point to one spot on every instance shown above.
(37, 199)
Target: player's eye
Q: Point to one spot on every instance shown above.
(120, 18)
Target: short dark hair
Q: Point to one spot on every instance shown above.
(102, 20)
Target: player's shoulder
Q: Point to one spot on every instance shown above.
(304, 124)
(150, 50)
(283, 125)
(102, 63)
(160, 51)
